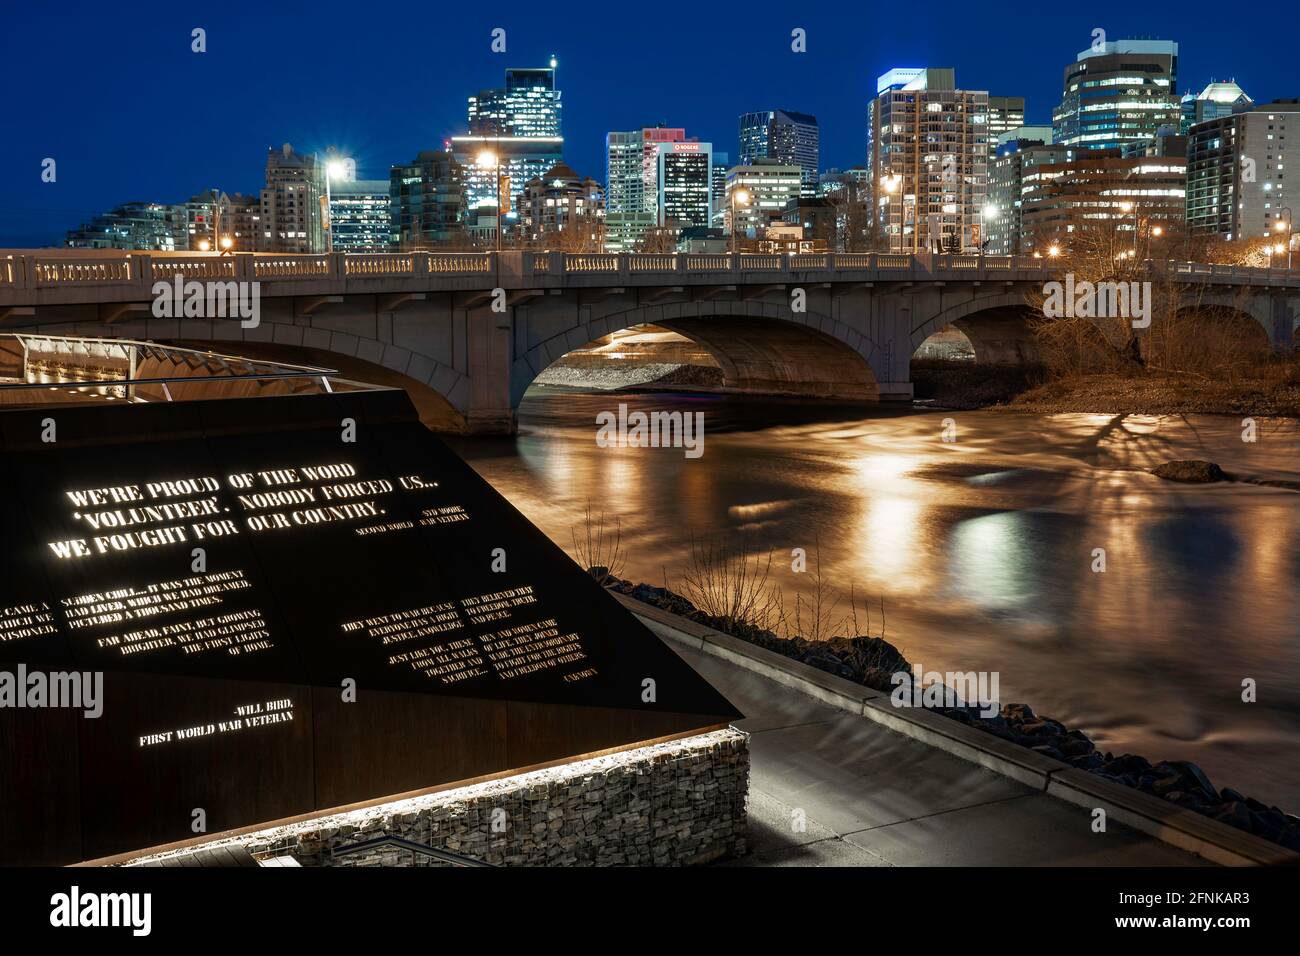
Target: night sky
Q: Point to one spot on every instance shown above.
(113, 93)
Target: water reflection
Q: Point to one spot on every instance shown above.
(983, 549)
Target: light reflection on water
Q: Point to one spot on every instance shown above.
(983, 549)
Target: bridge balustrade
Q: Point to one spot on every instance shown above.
(297, 267)
(379, 264)
(460, 263)
(200, 267)
(50, 272)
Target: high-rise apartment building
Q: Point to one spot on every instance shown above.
(928, 155)
(291, 216)
(427, 200)
(214, 220)
(1216, 100)
(758, 195)
(785, 136)
(1236, 172)
(1005, 114)
(565, 204)
(1118, 92)
(685, 179)
(149, 226)
(360, 217)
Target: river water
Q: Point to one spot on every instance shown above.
(983, 549)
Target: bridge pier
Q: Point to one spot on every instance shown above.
(1282, 331)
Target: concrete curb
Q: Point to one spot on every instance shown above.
(1157, 818)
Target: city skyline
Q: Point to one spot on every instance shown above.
(212, 123)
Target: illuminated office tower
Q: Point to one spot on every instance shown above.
(1216, 100)
(632, 183)
(790, 138)
(685, 181)
(520, 126)
(717, 218)
(1120, 92)
(1014, 160)
(928, 156)
(1005, 114)
(1132, 191)
(360, 219)
(758, 194)
(427, 200)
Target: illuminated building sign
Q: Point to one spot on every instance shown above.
(288, 622)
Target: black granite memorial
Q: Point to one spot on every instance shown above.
(297, 604)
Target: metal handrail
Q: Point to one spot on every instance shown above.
(387, 840)
(168, 380)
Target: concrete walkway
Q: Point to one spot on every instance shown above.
(869, 796)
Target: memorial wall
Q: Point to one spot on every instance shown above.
(295, 604)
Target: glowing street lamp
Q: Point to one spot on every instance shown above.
(1290, 236)
(1053, 251)
(988, 213)
(486, 160)
(891, 183)
(742, 197)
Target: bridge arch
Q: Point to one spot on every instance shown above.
(997, 326)
(761, 347)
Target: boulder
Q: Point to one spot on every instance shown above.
(1191, 470)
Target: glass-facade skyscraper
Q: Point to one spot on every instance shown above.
(685, 174)
(521, 124)
(1120, 92)
(783, 135)
(1216, 100)
(360, 219)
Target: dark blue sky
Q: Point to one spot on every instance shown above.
(113, 93)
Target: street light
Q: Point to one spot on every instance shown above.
(737, 196)
(890, 183)
(990, 212)
(489, 160)
(1290, 233)
(1053, 251)
(1127, 207)
(334, 169)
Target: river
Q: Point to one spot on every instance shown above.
(983, 549)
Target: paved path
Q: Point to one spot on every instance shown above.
(873, 797)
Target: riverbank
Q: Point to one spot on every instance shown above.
(1270, 391)
(874, 663)
(1153, 393)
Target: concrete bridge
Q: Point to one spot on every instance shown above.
(466, 333)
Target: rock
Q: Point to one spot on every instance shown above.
(1192, 470)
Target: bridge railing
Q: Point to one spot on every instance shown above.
(55, 272)
(90, 269)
